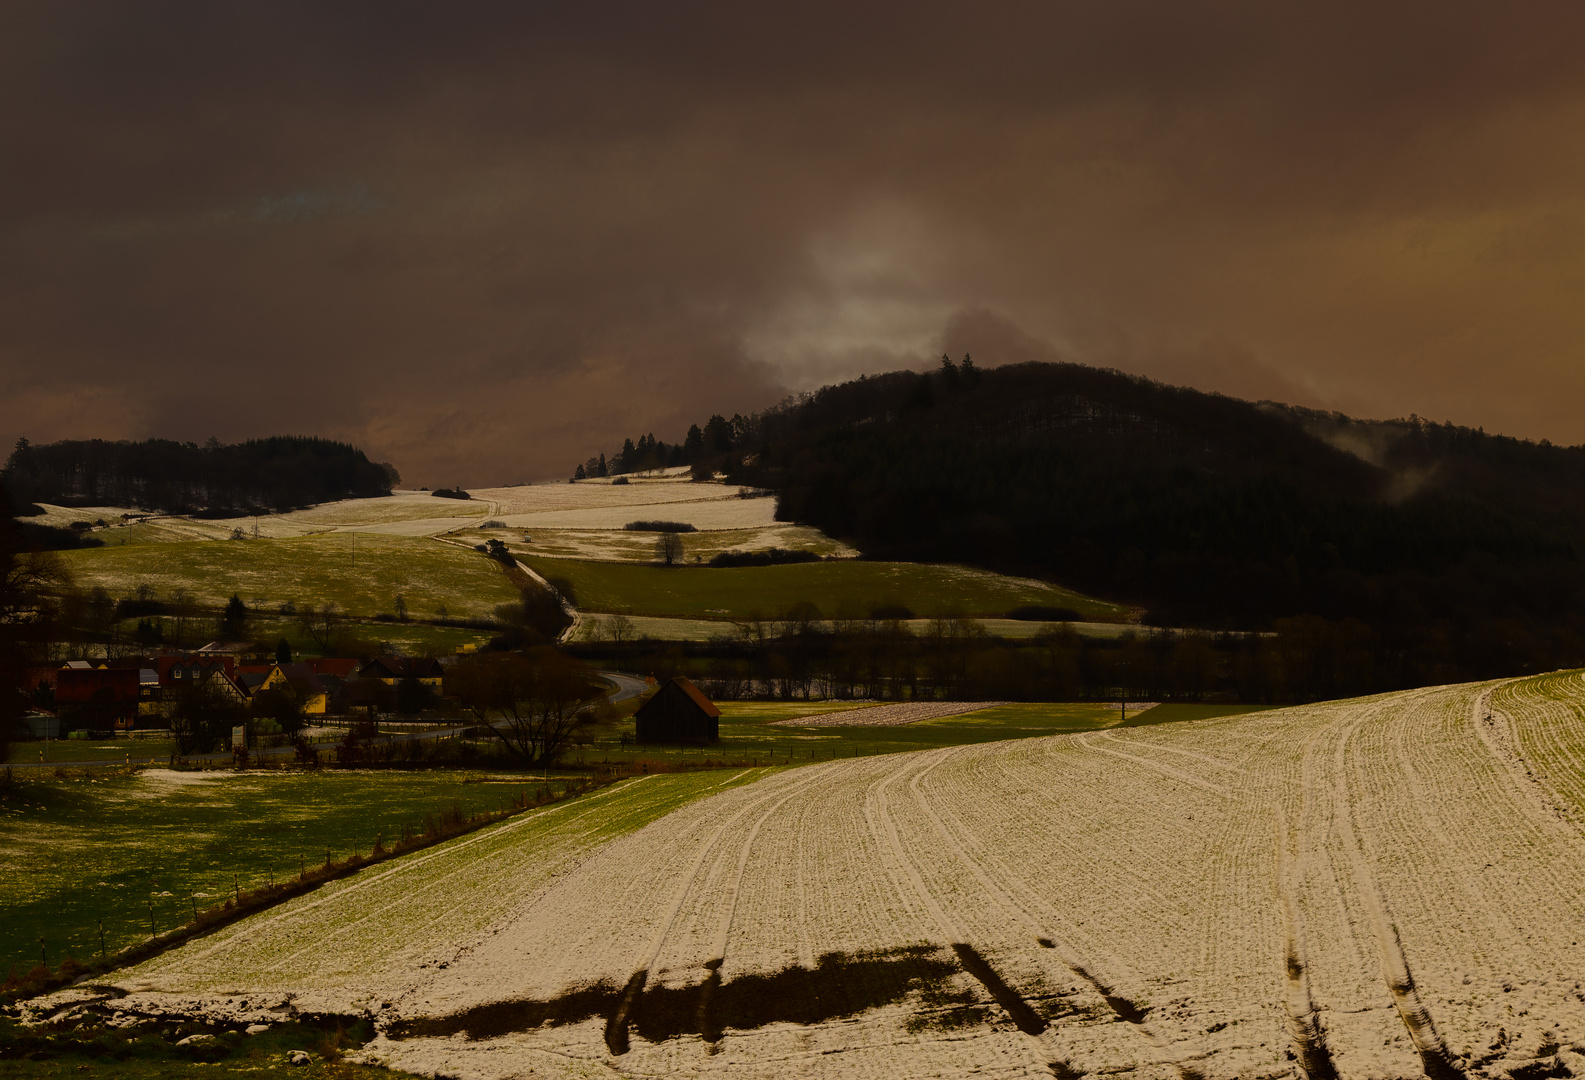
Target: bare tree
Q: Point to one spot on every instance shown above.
(202, 716)
(620, 629)
(320, 624)
(669, 548)
(752, 630)
(184, 613)
(538, 702)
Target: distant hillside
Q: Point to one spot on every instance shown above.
(257, 476)
(1460, 548)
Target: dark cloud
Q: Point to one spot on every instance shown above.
(487, 240)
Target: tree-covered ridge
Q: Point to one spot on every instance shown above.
(1208, 510)
(707, 445)
(260, 475)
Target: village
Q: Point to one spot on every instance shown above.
(136, 697)
(249, 698)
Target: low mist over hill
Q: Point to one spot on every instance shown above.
(1419, 543)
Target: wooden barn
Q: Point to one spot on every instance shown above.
(678, 713)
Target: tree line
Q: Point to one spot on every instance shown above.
(1302, 658)
(703, 447)
(256, 476)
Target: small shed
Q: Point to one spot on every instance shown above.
(678, 713)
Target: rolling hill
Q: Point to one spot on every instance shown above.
(1456, 552)
(1374, 887)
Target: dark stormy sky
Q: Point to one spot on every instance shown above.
(484, 241)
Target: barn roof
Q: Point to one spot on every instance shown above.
(698, 696)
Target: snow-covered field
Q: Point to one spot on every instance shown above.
(662, 629)
(1386, 887)
(718, 511)
(902, 712)
(616, 544)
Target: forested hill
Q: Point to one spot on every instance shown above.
(259, 475)
(1208, 510)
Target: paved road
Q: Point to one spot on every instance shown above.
(628, 686)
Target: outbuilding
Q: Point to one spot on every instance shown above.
(678, 713)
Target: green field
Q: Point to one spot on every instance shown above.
(748, 737)
(407, 639)
(361, 574)
(107, 846)
(1020, 721)
(837, 588)
(70, 750)
(1172, 714)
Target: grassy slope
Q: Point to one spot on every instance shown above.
(409, 639)
(834, 587)
(447, 894)
(102, 847)
(1170, 713)
(69, 750)
(307, 569)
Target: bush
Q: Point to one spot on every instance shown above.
(769, 557)
(1043, 613)
(564, 587)
(659, 526)
(450, 493)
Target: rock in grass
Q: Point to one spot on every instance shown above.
(298, 1057)
(196, 1040)
(255, 1029)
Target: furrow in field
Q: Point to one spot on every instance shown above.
(1365, 1035)
(948, 931)
(1540, 738)
(1161, 747)
(1381, 787)
(1089, 742)
(1044, 935)
(379, 933)
(1306, 1029)
(1141, 948)
(616, 1039)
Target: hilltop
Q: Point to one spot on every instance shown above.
(214, 480)
(1439, 547)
